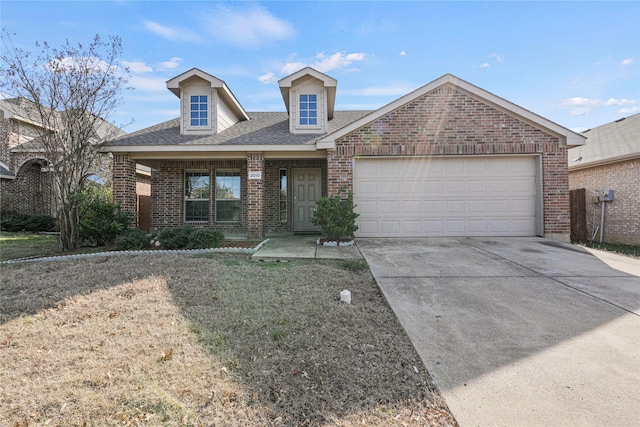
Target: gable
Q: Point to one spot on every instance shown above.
(438, 89)
(448, 116)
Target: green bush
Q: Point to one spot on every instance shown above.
(205, 239)
(132, 239)
(175, 238)
(27, 222)
(336, 217)
(101, 220)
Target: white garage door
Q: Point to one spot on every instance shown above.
(479, 196)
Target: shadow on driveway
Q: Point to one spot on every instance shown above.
(519, 331)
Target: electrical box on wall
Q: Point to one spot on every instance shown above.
(605, 195)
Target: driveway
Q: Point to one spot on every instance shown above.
(519, 331)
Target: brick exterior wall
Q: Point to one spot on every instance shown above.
(622, 217)
(167, 195)
(124, 182)
(31, 191)
(143, 185)
(448, 122)
(255, 195)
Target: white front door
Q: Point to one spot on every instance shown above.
(307, 184)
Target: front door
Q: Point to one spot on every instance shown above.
(307, 184)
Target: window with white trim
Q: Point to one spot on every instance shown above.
(199, 111)
(228, 200)
(196, 196)
(308, 110)
(283, 195)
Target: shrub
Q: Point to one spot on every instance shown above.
(205, 239)
(101, 220)
(132, 239)
(336, 217)
(175, 238)
(27, 222)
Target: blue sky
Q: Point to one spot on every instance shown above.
(575, 63)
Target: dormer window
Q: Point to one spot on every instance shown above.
(309, 110)
(199, 111)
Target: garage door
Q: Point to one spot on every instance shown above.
(485, 196)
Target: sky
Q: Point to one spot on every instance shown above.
(576, 63)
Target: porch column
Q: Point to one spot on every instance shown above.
(255, 195)
(124, 182)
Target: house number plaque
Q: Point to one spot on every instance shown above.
(255, 174)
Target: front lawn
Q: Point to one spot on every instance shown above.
(205, 340)
(23, 245)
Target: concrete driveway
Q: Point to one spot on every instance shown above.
(519, 331)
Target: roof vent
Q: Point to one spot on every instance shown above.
(585, 131)
(619, 120)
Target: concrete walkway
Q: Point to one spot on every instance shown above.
(519, 331)
(303, 247)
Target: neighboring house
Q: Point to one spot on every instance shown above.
(610, 160)
(25, 181)
(448, 159)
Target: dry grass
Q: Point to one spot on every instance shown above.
(219, 340)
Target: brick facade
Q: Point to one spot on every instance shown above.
(255, 195)
(32, 191)
(448, 122)
(124, 182)
(622, 218)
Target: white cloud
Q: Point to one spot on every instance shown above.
(403, 53)
(623, 101)
(498, 57)
(171, 64)
(292, 67)
(247, 28)
(628, 111)
(627, 61)
(137, 67)
(324, 63)
(387, 90)
(148, 84)
(485, 65)
(68, 64)
(267, 77)
(170, 33)
(579, 106)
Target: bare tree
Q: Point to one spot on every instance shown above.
(72, 91)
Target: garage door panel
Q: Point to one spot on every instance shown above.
(446, 196)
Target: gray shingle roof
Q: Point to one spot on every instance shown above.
(263, 128)
(6, 173)
(617, 140)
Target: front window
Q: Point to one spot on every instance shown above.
(199, 108)
(228, 196)
(309, 110)
(196, 196)
(283, 195)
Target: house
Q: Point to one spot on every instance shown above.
(610, 160)
(448, 159)
(25, 179)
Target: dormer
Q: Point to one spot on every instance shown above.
(310, 98)
(207, 106)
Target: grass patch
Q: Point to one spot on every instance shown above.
(23, 245)
(618, 248)
(186, 340)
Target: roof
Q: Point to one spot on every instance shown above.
(5, 173)
(609, 143)
(262, 128)
(567, 136)
(25, 111)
